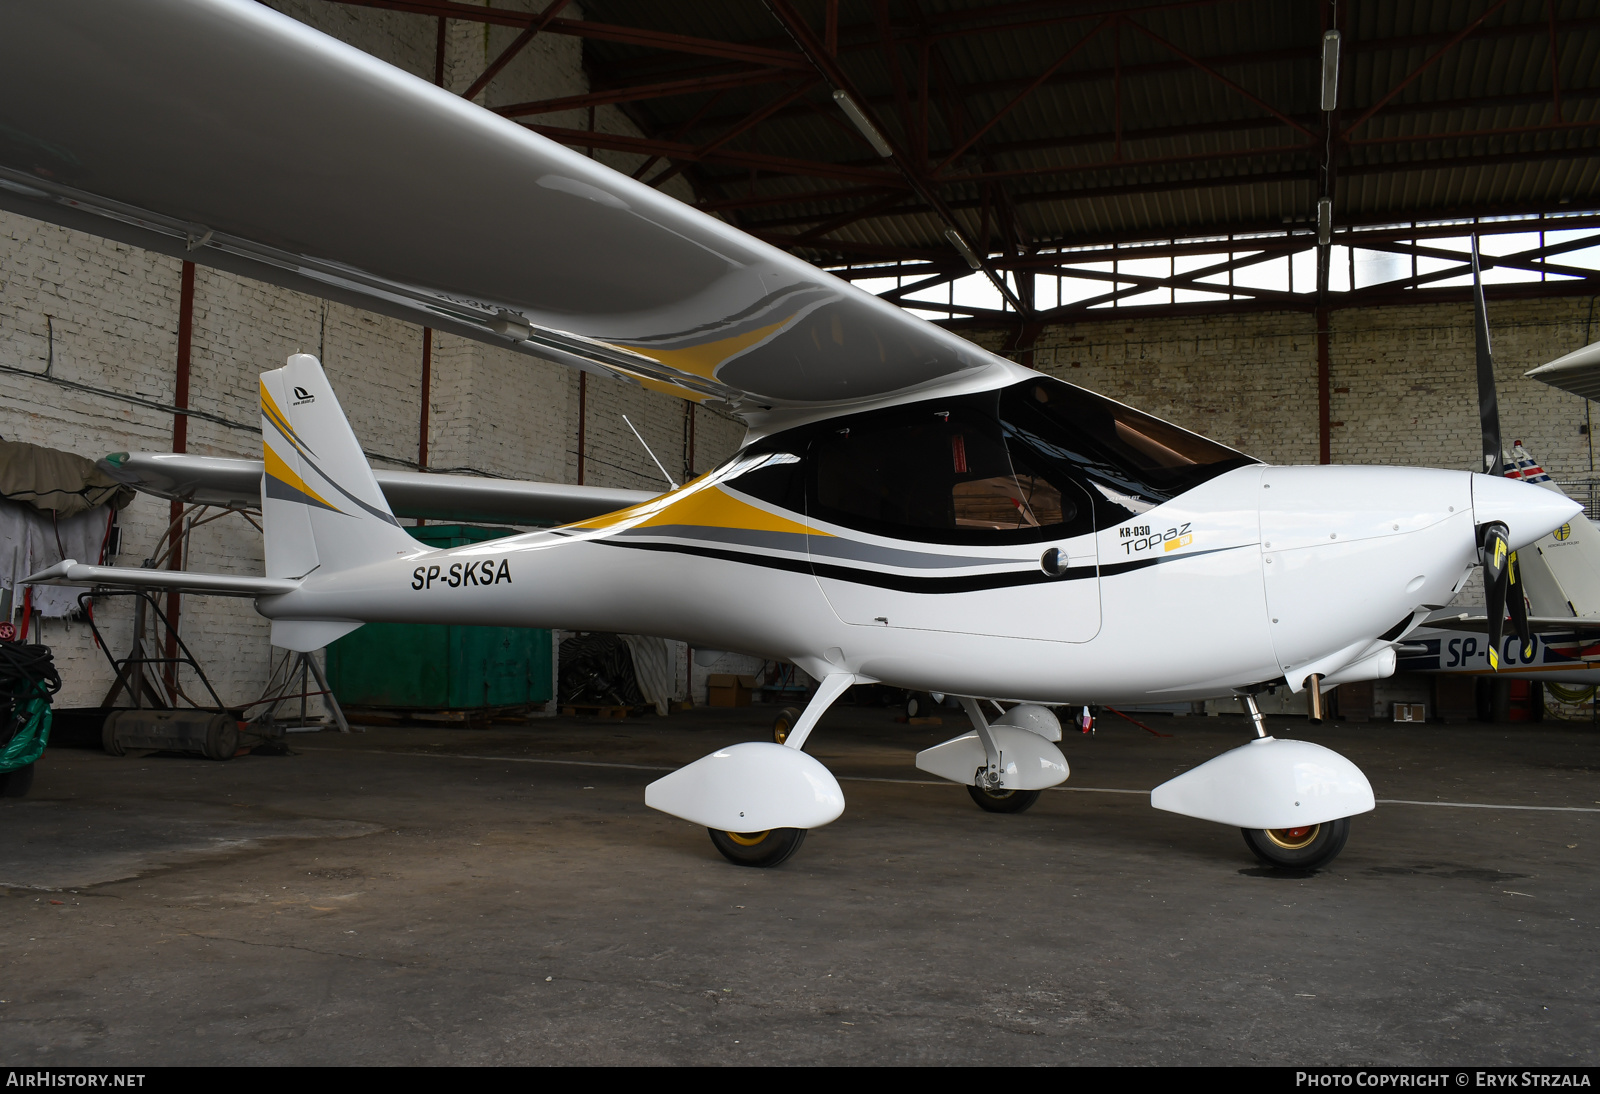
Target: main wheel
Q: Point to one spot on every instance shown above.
(1303, 848)
(1004, 801)
(767, 848)
(919, 704)
(783, 723)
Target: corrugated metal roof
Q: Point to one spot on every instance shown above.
(1165, 119)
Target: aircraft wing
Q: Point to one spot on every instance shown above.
(1456, 620)
(1578, 372)
(214, 480)
(225, 133)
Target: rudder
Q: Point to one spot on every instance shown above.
(322, 508)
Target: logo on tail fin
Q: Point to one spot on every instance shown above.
(302, 396)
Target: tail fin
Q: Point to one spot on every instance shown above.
(322, 508)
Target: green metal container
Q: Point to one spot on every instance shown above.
(428, 666)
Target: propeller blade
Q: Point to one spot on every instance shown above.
(1496, 553)
(1519, 608)
(1488, 403)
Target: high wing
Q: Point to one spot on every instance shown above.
(225, 133)
(236, 483)
(1578, 372)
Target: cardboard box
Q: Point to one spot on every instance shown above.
(724, 689)
(1410, 712)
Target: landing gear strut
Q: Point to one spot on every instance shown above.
(1308, 846)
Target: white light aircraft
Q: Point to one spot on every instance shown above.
(906, 508)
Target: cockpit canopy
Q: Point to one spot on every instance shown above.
(1039, 460)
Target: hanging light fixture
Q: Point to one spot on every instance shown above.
(1330, 70)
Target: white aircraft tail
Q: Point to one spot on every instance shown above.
(321, 506)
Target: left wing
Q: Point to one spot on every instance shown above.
(236, 483)
(223, 132)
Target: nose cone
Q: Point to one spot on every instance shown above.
(1527, 511)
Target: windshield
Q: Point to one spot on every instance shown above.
(1134, 460)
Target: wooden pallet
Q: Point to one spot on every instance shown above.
(596, 710)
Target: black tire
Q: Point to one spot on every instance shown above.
(919, 704)
(760, 849)
(783, 723)
(1299, 848)
(108, 735)
(16, 784)
(222, 737)
(1004, 801)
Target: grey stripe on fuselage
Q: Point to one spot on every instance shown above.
(827, 546)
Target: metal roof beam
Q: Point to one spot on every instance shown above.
(641, 92)
(605, 32)
(750, 121)
(552, 9)
(1428, 63)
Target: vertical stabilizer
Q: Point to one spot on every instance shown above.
(322, 508)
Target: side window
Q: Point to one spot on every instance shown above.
(771, 475)
(940, 471)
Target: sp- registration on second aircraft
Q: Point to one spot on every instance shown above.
(906, 508)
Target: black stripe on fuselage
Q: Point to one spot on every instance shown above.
(905, 583)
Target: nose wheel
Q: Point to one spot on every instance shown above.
(1304, 848)
(758, 849)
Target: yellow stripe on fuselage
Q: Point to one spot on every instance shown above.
(695, 503)
(715, 509)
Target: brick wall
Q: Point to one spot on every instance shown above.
(1403, 379)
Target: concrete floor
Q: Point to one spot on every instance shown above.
(425, 896)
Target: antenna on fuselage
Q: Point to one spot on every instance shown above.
(651, 454)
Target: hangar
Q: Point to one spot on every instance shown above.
(1248, 222)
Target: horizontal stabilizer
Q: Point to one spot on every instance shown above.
(72, 572)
